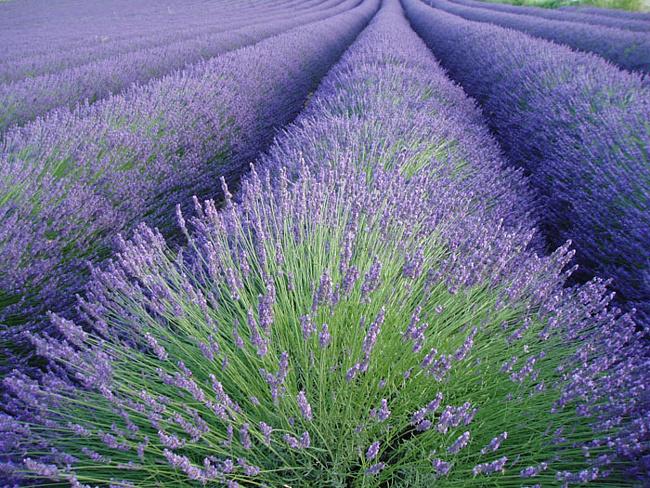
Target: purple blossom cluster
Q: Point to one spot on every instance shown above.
(24, 100)
(579, 16)
(71, 182)
(625, 48)
(384, 207)
(577, 126)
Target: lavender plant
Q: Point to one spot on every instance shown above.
(577, 125)
(561, 15)
(627, 49)
(360, 316)
(71, 182)
(27, 99)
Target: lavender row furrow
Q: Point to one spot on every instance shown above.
(56, 59)
(629, 50)
(74, 180)
(564, 16)
(27, 99)
(366, 312)
(576, 124)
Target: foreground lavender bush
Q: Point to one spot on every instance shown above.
(71, 182)
(629, 50)
(359, 317)
(561, 15)
(24, 100)
(577, 125)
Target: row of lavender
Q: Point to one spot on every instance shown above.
(632, 24)
(577, 125)
(34, 26)
(608, 12)
(627, 49)
(51, 59)
(276, 349)
(24, 100)
(70, 183)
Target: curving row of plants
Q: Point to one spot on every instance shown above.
(70, 183)
(42, 27)
(562, 15)
(27, 99)
(51, 58)
(368, 312)
(627, 49)
(577, 125)
(608, 12)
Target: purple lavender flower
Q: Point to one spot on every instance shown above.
(324, 337)
(459, 443)
(303, 404)
(266, 432)
(490, 468)
(440, 467)
(372, 451)
(244, 436)
(249, 469)
(307, 325)
(495, 443)
(375, 469)
(371, 279)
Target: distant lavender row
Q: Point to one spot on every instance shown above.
(578, 125)
(25, 100)
(71, 182)
(33, 26)
(565, 16)
(629, 50)
(58, 59)
(359, 316)
(609, 12)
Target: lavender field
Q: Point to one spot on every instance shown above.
(323, 243)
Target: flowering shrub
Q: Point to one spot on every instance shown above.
(360, 316)
(71, 182)
(627, 49)
(577, 125)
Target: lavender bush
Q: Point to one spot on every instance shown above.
(577, 125)
(24, 100)
(51, 60)
(360, 316)
(565, 16)
(71, 182)
(629, 50)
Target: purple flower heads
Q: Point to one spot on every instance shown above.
(372, 451)
(303, 404)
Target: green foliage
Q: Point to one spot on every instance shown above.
(631, 5)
